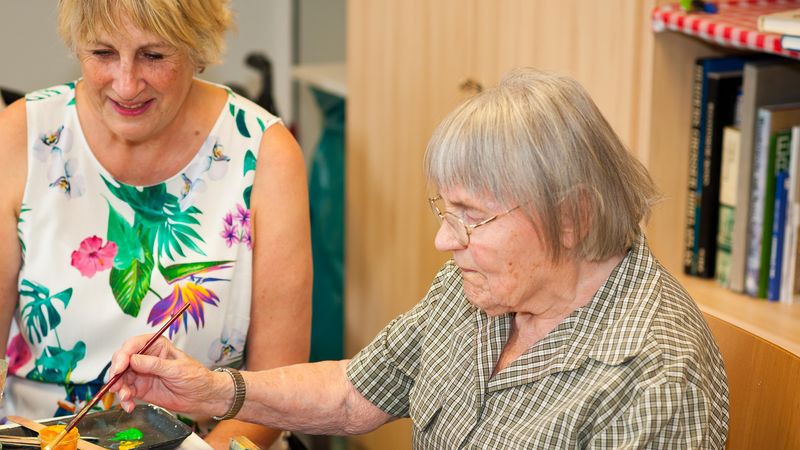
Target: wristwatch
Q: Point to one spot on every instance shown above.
(239, 390)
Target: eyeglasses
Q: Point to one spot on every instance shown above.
(461, 230)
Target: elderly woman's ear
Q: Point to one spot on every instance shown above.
(576, 217)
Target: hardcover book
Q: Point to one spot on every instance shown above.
(790, 282)
(727, 203)
(723, 89)
(765, 82)
(704, 67)
(771, 119)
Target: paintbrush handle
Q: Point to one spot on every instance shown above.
(88, 406)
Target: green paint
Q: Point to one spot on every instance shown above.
(131, 434)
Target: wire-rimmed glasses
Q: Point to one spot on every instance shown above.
(461, 230)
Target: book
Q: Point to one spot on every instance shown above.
(782, 22)
(727, 203)
(782, 140)
(771, 119)
(764, 82)
(723, 89)
(790, 42)
(790, 282)
(702, 68)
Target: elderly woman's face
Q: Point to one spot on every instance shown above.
(505, 264)
(134, 81)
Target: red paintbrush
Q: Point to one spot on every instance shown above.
(72, 423)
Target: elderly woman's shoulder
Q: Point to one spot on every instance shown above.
(679, 327)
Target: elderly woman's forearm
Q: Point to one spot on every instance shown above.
(314, 398)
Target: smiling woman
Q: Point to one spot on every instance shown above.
(137, 189)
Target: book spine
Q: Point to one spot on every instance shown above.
(776, 243)
(727, 203)
(790, 247)
(757, 185)
(690, 255)
(783, 141)
(722, 90)
(769, 213)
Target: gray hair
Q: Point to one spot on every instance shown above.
(538, 140)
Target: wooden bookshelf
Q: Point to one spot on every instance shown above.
(760, 340)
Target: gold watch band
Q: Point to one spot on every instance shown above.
(239, 390)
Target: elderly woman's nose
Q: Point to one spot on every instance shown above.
(445, 240)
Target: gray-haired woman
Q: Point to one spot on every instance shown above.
(553, 326)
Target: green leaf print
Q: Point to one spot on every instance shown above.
(20, 221)
(55, 365)
(176, 271)
(249, 162)
(241, 125)
(49, 92)
(131, 285)
(156, 209)
(129, 246)
(39, 315)
(246, 196)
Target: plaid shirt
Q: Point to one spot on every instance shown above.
(635, 368)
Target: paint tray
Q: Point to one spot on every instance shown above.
(161, 429)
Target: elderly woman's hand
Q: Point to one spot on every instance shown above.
(168, 377)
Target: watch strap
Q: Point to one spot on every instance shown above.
(239, 390)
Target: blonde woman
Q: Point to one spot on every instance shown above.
(135, 189)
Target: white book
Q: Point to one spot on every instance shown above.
(789, 277)
(783, 22)
(790, 42)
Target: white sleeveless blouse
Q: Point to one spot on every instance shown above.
(104, 261)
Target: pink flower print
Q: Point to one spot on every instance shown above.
(230, 232)
(18, 354)
(243, 216)
(92, 256)
(236, 227)
(245, 238)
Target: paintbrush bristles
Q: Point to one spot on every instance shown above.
(58, 439)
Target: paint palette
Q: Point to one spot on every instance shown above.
(159, 429)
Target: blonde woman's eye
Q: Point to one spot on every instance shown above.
(102, 53)
(153, 56)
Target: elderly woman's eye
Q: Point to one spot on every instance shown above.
(102, 53)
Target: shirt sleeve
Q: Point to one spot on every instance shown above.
(385, 370)
(667, 415)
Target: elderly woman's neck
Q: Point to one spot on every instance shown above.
(574, 288)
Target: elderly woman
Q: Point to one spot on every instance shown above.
(553, 326)
(138, 188)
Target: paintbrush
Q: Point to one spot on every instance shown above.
(72, 423)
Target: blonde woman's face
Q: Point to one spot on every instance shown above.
(134, 82)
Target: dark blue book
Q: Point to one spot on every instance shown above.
(697, 164)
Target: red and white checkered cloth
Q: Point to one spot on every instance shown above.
(735, 25)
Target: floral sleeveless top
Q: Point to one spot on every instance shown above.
(104, 261)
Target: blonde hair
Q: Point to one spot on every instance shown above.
(195, 26)
(538, 140)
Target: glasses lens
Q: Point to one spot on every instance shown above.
(458, 227)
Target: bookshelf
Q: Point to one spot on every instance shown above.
(760, 340)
